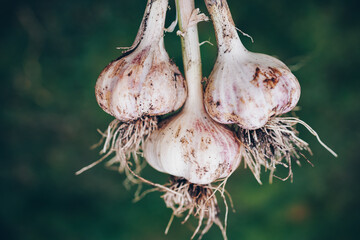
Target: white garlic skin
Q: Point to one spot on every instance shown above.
(192, 146)
(144, 81)
(248, 88)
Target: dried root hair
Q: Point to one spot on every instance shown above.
(195, 200)
(277, 143)
(199, 201)
(123, 141)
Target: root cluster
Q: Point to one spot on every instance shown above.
(123, 141)
(277, 143)
(197, 200)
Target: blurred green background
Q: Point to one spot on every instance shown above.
(51, 55)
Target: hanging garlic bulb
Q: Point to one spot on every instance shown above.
(144, 81)
(190, 146)
(140, 85)
(251, 90)
(193, 146)
(245, 88)
(197, 151)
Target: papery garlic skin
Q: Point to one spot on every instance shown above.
(144, 81)
(245, 88)
(192, 146)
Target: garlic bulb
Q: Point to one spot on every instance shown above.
(196, 151)
(136, 88)
(192, 146)
(250, 90)
(144, 81)
(245, 88)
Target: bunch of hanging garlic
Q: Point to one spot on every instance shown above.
(236, 117)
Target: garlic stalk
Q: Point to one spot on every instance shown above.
(190, 146)
(139, 86)
(251, 90)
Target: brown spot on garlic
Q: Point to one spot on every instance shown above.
(255, 78)
(178, 131)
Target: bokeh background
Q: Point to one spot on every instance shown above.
(51, 55)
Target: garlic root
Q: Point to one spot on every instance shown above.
(197, 200)
(124, 139)
(277, 143)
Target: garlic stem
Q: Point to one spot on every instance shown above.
(191, 55)
(225, 30)
(152, 26)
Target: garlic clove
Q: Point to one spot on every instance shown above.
(245, 88)
(144, 81)
(194, 147)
